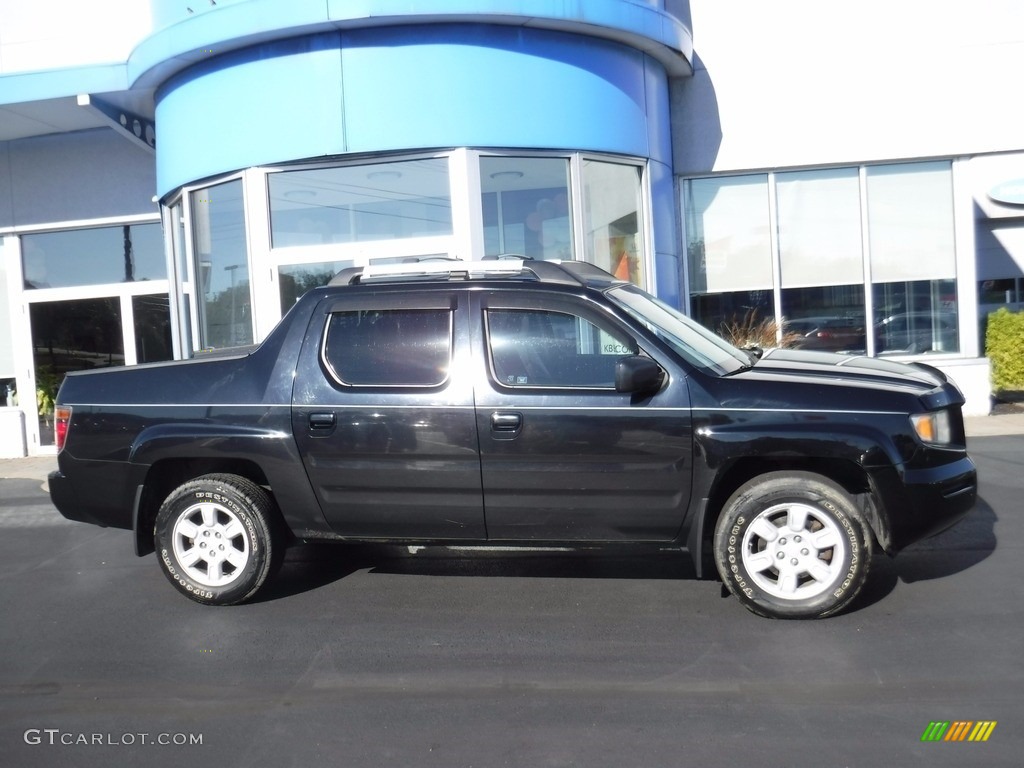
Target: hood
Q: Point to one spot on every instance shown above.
(851, 369)
(783, 377)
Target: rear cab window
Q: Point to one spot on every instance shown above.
(388, 347)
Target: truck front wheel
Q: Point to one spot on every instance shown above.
(792, 545)
(214, 539)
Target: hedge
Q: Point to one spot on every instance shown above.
(1004, 346)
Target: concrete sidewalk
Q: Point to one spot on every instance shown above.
(38, 467)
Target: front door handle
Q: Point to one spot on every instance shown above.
(321, 422)
(506, 424)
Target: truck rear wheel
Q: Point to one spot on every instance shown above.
(792, 545)
(214, 539)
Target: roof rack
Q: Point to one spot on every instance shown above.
(565, 272)
(444, 269)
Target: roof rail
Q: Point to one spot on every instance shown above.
(435, 268)
(565, 272)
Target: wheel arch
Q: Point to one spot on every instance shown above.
(167, 474)
(845, 473)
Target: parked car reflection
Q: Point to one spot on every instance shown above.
(828, 333)
(912, 333)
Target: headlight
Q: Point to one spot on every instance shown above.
(933, 428)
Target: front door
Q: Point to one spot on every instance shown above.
(564, 456)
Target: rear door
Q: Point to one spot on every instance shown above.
(383, 416)
(564, 456)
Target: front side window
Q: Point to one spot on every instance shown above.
(540, 348)
(389, 347)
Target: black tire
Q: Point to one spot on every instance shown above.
(214, 538)
(792, 545)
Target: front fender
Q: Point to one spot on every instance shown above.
(730, 452)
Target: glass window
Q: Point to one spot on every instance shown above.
(526, 207)
(389, 348)
(829, 318)
(222, 266)
(381, 201)
(728, 237)
(152, 318)
(296, 279)
(539, 348)
(821, 260)
(612, 219)
(910, 222)
(819, 228)
(916, 317)
(78, 257)
(71, 336)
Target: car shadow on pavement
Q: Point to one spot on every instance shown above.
(310, 566)
(963, 546)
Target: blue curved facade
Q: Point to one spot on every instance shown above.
(409, 87)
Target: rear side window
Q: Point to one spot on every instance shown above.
(541, 348)
(389, 347)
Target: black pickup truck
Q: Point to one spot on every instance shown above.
(515, 402)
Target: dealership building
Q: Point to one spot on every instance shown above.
(174, 174)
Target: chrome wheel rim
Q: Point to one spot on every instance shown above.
(210, 544)
(794, 551)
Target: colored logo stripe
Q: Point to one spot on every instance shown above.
(958, 730)
(982, 730)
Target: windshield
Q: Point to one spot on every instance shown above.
(692, 341)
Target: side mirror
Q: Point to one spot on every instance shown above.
(638, 375)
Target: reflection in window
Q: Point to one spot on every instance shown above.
(828, 318)
(389, 348)
(71, 336)
(296, 279)
(381, 201)
(526, 207)
(152, 319)
(611, 219)
(916, 317)
(78, 257)
(736, 315)
(222, 270)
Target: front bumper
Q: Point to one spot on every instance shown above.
(919, 503)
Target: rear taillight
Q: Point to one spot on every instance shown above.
(61, 424)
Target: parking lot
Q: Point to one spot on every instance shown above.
(380, 657)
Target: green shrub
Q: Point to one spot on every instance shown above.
(1004, 346)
